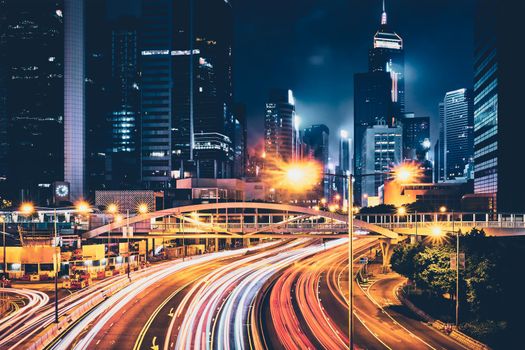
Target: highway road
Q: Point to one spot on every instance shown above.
(31, 302)
(383, 293)
(87, 332)
(294, 314)
(218, 315)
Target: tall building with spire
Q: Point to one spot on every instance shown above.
(387, 55)
(379, 94)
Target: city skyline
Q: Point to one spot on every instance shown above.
(320, 65)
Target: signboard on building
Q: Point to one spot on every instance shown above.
(93, 252)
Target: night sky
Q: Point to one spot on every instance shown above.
(315, 46)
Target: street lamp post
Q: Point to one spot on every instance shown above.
(350, 258)
(129, 251)
(3, 234)
(56, 262)
(443, 209)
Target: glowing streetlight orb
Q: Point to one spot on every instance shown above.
(323, 201)
(143, 208)
(295, 176)
(337, 197)
(406, 173)
(436, 232)
(442, 209)
(27, 208)
(401, 210)
(112, 208)
(82, 207)
(332, 208)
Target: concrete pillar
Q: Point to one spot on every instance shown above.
(413, 239)
(246, 242)
(228, 243)
(216, 244)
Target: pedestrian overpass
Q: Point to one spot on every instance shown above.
(424, 224)
(242, 220)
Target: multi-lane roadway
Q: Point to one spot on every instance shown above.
(279, 295)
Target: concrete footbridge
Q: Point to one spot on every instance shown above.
(425, 224)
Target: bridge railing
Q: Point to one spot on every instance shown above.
(480, 220)
(250, 226)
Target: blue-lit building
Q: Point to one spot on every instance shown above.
(498, 104)
(458, 133)
(123, 166)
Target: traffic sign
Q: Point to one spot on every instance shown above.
(453, 260)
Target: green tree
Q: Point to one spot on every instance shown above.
(433, 270)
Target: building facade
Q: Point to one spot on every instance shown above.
(187, 91)
(278, 126)
(31, 97)
(498, 106)
(74, 98)
(416, 137)
(387, 55)
(458, 133)
(123, 165)
(382, 148)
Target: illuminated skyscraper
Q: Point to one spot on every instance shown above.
(74, 98)
(382, 148)
(498, 104)
(278, 126)
(388, 55)
(31, 96)
(316, 147)
(458, 132)
(186, 93)
(123, 165)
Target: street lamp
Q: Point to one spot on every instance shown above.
(143, 209)
(27, 208)
(2, 220)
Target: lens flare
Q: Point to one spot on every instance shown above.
(294, 176)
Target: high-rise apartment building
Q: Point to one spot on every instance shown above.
(278, 126)
(498, 104)
(458, 133)
(31, 96)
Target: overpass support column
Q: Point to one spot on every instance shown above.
(386, 251)
(246, 242)
(413, 239)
